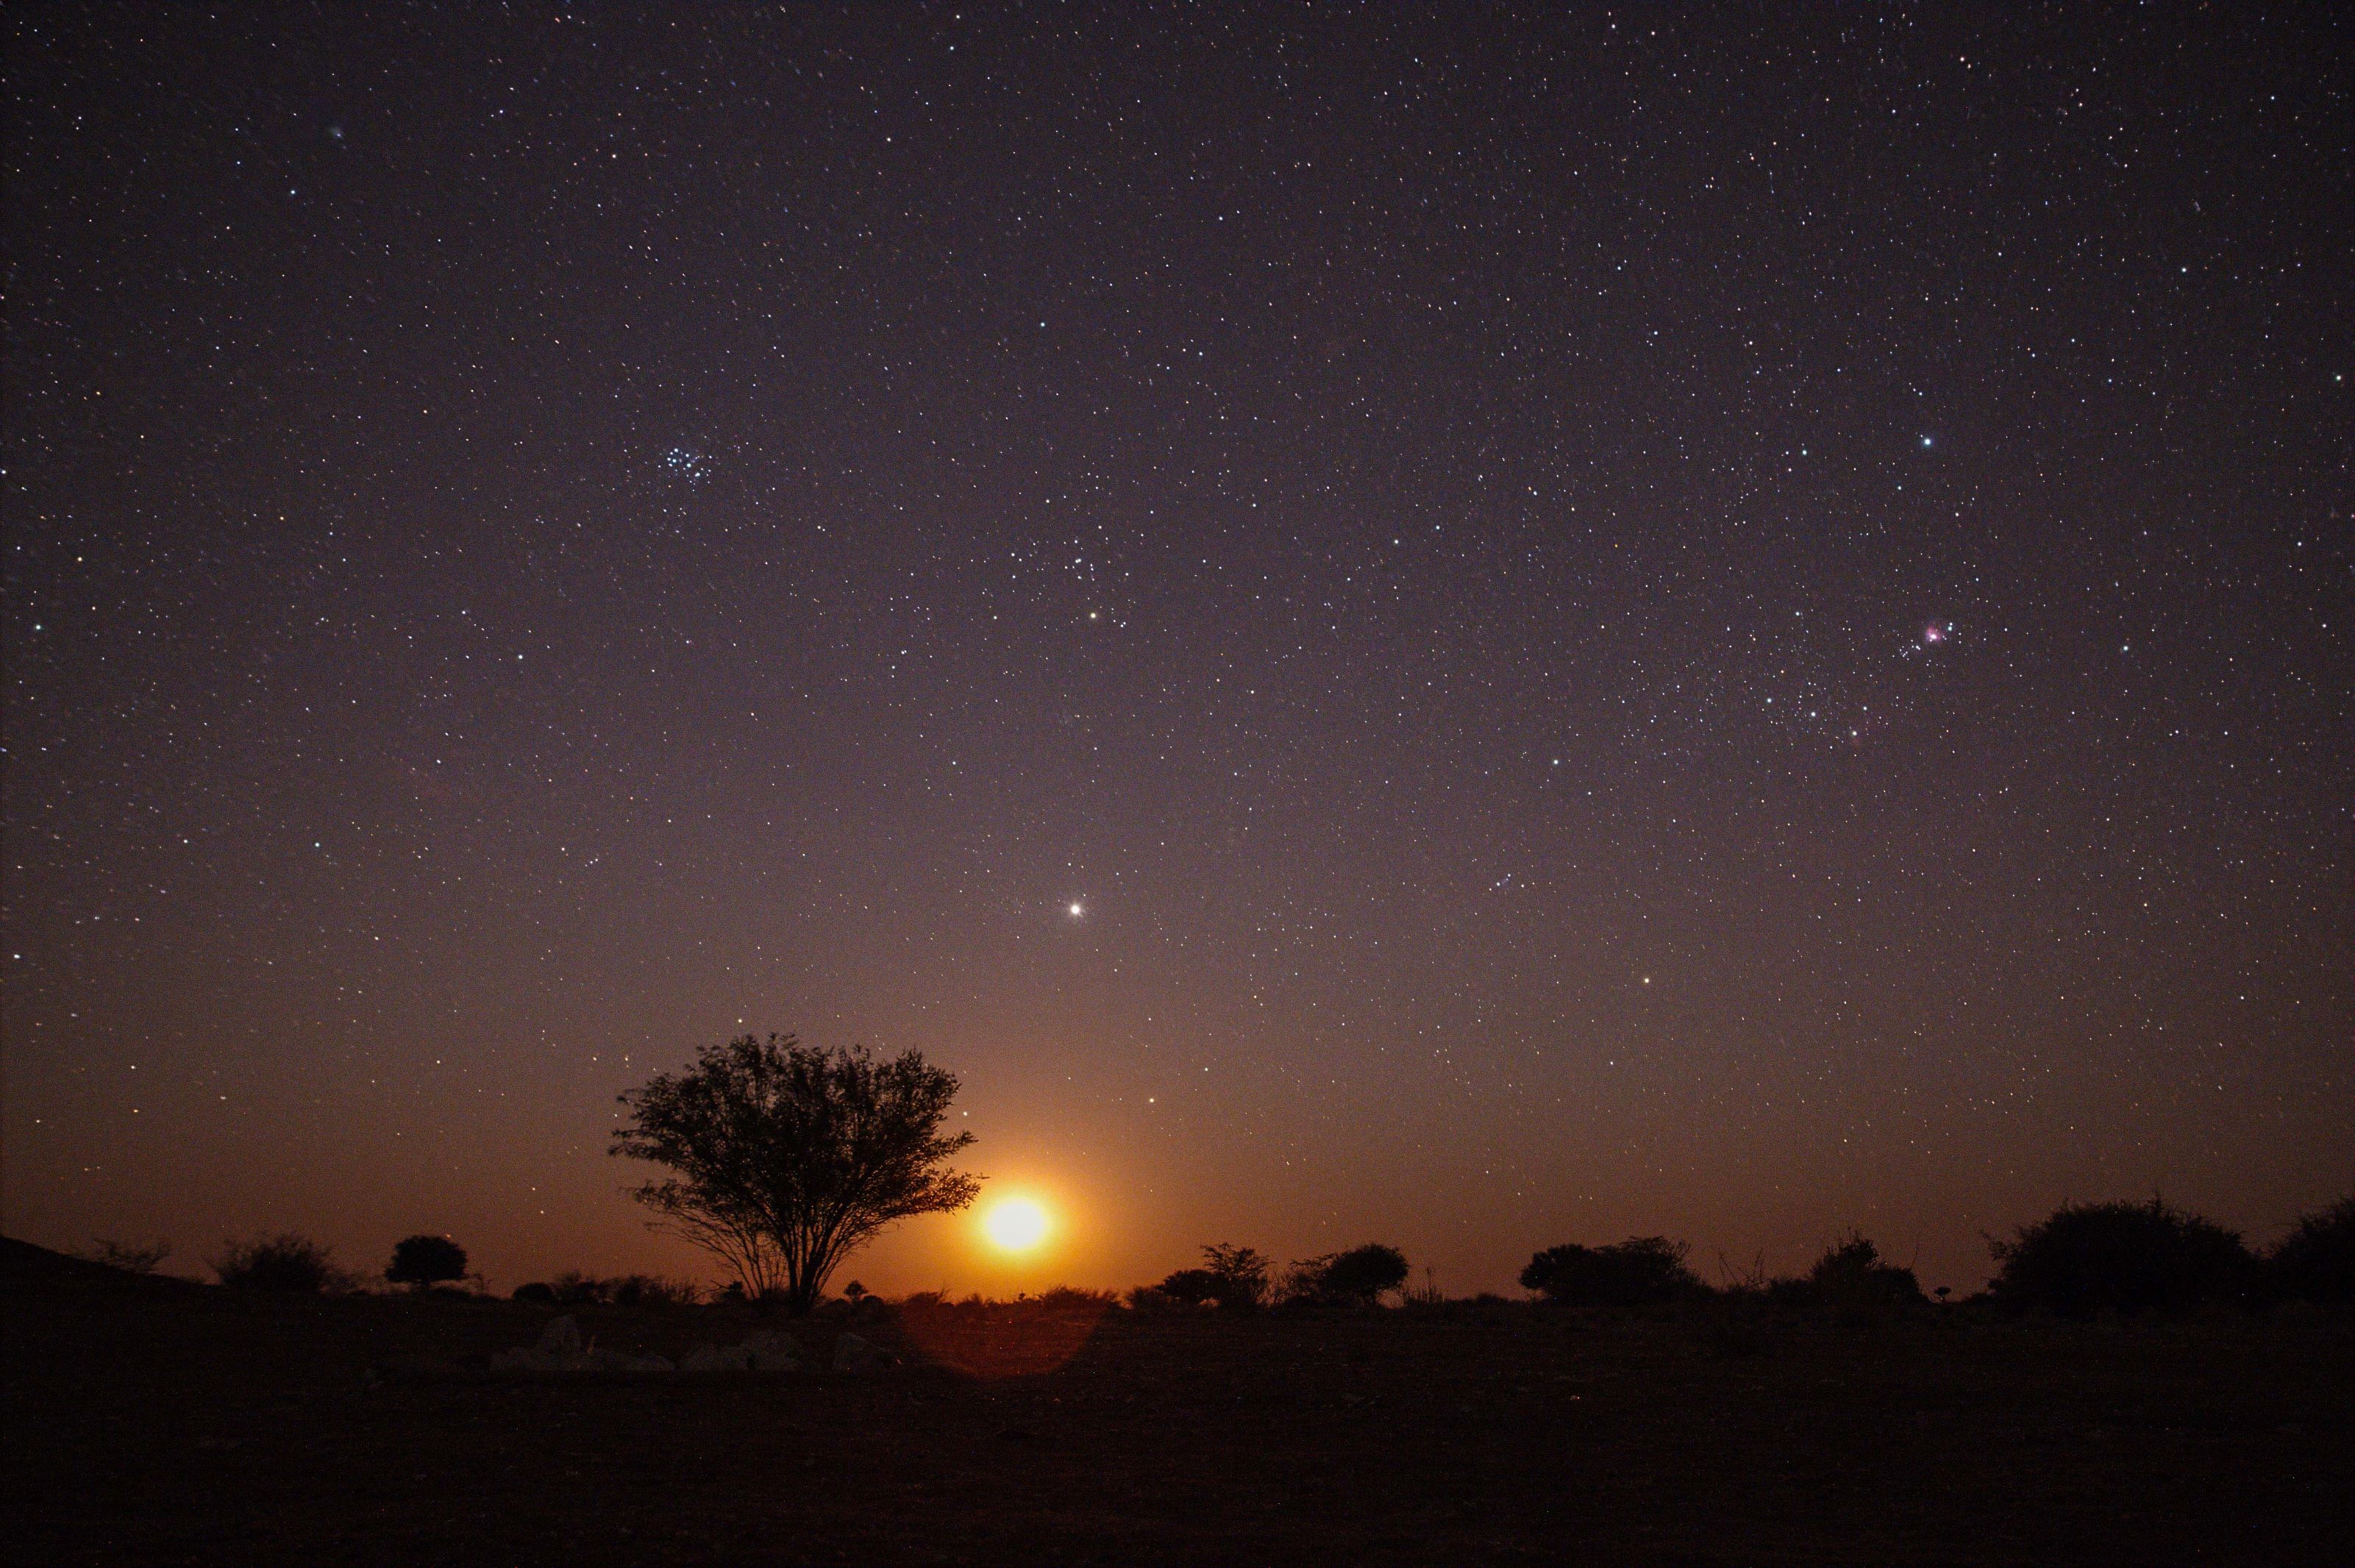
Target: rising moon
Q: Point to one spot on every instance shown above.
(1015, 1225)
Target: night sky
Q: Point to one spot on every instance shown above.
(1472, 628)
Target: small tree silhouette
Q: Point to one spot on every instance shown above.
(1230, 1276)
(2119, 1257)
(2315, 1262)
(131, 1257)
(1190, 1285)
(1631, 1273)
(1850, 1276)
(422, 1262)
(1356, 1277)
(1237, 1274)
(786, 1159)
(286, 1263)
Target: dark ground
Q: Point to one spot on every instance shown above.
(156, 1422)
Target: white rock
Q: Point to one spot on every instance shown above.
(770, 1351)
(523, 1361)
(562, 1336)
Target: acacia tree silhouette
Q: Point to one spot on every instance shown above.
(788, 1157)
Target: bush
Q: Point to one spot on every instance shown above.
(1152, 1299)
(538, 1291)
(1232, 1276)
(1633, 1273)
(2119, 1257)
(1237, 1275)
(1356, 1278)
(1852, 1278)
(573, 1288)
(131, 1257)
(1073, 1298)
(652, 1290)
(423, 1260)
(2315, 1262)
(1425, 1296)
(1192, 1286)
(286, 1263)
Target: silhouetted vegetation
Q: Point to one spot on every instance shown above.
(788, 1157)
(1850, 1277)
(1068, 1298)
(1187, 1286)
(1356, 1277)
(654, 1290)
(1239, 1275)
(2315, 1262)
(1634, 1272)
(131, 1257)
(573, 1288)
(1427, 1295)
(422, 1262)
(2120, 1257)
(1232, 1276)
(286, 1263)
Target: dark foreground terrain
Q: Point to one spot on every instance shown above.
(156, 1422)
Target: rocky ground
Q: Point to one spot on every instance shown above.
(157, 1422)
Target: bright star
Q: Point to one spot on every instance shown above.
(1078, 910)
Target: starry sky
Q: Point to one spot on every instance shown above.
(1474, 628)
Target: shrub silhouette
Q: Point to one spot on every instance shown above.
(1190, 1285)
(2315, 1262)
(652, 1290)
(2119, 1257)
(573, 1288)
(1230, 1276)
(286, 1263)
(1427, 1295)
(1076, 1299)
(1356, 1277)
(1152, 1299)
(1237, 1275)
(423, 1260)
(1852, 1278)
(131, 1257)
(1639, 1270)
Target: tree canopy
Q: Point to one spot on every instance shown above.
(1358, 1276)
(1625, 1273)
(787, 1157)
(423, 1259)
